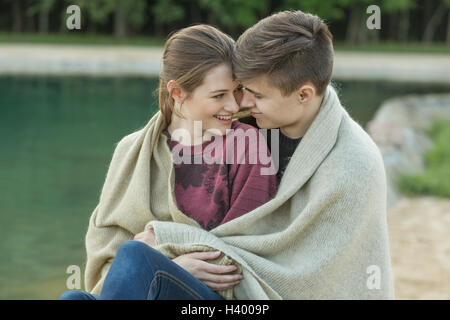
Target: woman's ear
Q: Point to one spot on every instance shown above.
(175, 91)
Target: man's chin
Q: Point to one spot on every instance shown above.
(264, 124)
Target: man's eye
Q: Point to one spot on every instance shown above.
(219, 96)
(238, 89)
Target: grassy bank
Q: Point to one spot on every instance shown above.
(396, 47)
(436, 178)
(74, 38)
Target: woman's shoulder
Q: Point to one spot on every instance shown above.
(127, 142)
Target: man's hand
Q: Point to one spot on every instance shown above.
(213, 276)
(147, 237)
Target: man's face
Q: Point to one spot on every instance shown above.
(268, 106)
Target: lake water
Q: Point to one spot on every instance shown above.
(57, 136)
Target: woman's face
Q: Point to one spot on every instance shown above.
(213, 102)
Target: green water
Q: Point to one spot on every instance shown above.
(57, 136)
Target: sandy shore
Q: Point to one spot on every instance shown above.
(102, 60)
(420, 248)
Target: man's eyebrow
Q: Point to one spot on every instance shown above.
(219, 90)
(253, 91)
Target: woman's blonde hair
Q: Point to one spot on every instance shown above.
(188, 56)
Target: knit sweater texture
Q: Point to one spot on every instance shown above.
(323, 236)
(218, 192)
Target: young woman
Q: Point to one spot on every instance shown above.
(221, 175)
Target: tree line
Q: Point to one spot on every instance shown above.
(401, 20)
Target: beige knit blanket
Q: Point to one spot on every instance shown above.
(324, 235)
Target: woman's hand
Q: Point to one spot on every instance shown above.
(213, 276)
(147, 237)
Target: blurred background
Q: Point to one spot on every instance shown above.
(68, 96)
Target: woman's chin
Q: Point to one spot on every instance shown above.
(217, 130)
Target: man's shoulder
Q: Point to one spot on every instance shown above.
(355, 153)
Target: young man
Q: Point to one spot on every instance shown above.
(284, 63)
(324, 235)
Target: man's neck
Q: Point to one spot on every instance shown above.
(298, 129)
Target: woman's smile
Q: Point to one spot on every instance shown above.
(223, 119)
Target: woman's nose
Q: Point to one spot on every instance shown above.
(232, 106)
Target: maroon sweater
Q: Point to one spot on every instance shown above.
(215, 193)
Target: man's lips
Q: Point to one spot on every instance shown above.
(256, 114)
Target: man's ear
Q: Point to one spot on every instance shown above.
(175, 91)
(306, 93)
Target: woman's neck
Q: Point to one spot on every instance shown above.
(185, 131)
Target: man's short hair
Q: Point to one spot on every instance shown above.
(290, 47)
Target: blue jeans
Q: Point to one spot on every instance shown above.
(139, 272)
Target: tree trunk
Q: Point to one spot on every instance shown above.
(427, 12)
(436, 18)
(43, 21)
(30, 19)
(447, 40)
(120, 24)
(373, 36)
(91, 27)
(195, 13)
(354, 25)
(392, 31)
(158, 28)
(363, 31)
(403, 26)
(16, 15)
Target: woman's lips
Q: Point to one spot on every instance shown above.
(256, 114)
(224, 119)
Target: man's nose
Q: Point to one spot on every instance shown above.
(247, 100)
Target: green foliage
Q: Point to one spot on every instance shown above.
(40, 5)
(326, 9)
(436, 178)
(398, 5)
(100, 10)
(135, 11)
(122, 18)
(167, 11)
(234, 13)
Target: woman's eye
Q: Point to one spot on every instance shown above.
(219, 96)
